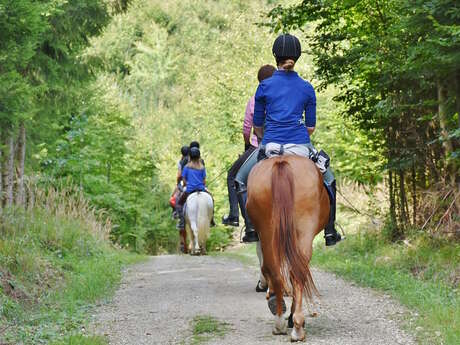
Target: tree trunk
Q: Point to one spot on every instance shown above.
(392, 197)
(8, 169)
(457, 97)
(1, 173)
(414, 194)
(20, 199)
(402, 198)
(443, 120)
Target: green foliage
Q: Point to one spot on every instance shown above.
(39, 45)
(219, 238)
(174, 67)
(422, 273)
(111, 117)
(395, 65)
(186, 71)
(57, 266)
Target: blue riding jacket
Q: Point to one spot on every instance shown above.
(280, 104)
(194, 178)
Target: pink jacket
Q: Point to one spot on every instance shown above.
(247, 124)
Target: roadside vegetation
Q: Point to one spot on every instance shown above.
(55, 263)
(421, 270)
(421, 273)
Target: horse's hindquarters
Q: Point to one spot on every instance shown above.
(198, 219)
(288, 205)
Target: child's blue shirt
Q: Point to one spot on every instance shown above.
(195, 178)
(280, 104)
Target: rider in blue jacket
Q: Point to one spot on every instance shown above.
(285, 118)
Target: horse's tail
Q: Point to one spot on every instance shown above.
(293, 263)
(204, 216)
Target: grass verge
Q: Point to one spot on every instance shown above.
(423, 274)
(53, 269)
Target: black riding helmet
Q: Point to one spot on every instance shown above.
(195, 144)
(194, 153)
(286, 47)
(184, 150)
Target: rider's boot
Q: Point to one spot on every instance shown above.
(250, 234)
(230, 220)
(330, 233)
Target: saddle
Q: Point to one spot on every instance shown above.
(320, 158)
(194, 192)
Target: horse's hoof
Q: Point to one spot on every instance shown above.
(297, 335)
(272, 305)
(280, 326)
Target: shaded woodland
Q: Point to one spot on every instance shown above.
(100, 95)
(396, 65)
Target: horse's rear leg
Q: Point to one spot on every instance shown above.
(280, 326)
(195, 243)
(262, 284)
(298, 332)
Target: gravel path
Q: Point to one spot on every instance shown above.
(158, 299)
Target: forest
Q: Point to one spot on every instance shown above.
(98, 96)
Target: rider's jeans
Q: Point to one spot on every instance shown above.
(273, 149)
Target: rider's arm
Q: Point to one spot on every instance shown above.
(247, 123)
(179, 173)
(259, 111)
(310, 110)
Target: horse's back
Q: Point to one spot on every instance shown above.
(199, 202)
(307, 179)
(310, 196)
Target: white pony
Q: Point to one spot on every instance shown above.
(199, 211)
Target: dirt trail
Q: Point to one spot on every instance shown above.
(158, 299)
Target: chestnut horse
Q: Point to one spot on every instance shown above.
(289, 206)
